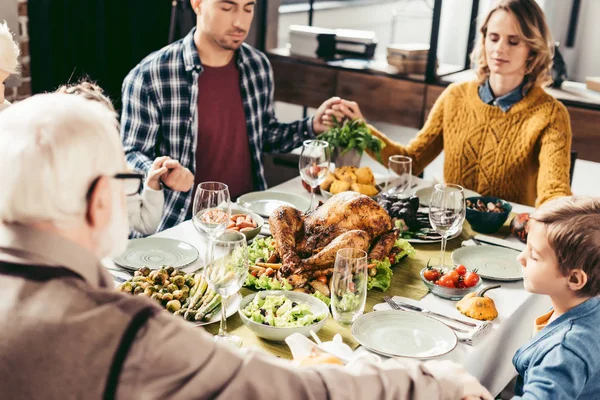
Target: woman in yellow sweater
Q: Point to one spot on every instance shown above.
(502, 134)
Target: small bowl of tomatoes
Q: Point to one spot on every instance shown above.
(451, 284)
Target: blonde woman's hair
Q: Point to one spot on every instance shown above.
(9, 50)
(88, 90)
(53, 146)
(533, 29)
(572, 226)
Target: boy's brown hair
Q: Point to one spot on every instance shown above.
(572, 227)
(88, 90)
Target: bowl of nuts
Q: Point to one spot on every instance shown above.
(487, 214)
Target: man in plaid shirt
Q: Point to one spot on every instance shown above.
(216, 115)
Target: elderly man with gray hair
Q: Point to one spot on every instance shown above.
(64, 331)
(9, 55)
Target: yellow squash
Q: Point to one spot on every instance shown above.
(477, 306)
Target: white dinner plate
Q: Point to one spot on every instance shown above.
(394, 333)
(264, 203)
(155, 252)
(491, 262)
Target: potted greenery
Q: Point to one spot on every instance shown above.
(348, 140)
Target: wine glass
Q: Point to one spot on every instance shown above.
(314, 165)
(447, 212)
(212, 209)
(399, 175)
(226, 275)
(349, 285)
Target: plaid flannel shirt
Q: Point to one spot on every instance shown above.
(159, 115)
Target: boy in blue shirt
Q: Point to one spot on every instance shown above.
(562, 260)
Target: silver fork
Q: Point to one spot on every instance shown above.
(398, 307)
(389, 300)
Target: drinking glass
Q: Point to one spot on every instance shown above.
(211, 212)
(399, 177)
(226, 275)
(314, 165)
(447, 212)
(349, 285)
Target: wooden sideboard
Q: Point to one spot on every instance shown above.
(406, 100)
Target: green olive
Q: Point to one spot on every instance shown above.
(167, 297)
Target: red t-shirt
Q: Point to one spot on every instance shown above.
(223, 152)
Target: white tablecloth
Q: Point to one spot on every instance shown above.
(490, 359)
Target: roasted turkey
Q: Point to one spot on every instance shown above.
(308, 243)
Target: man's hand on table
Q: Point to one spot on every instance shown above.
(448, 370)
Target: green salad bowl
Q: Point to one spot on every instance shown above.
(277, 334)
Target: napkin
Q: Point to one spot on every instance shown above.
(301, 347)
(473, 334)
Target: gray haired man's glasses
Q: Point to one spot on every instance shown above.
(132, 183)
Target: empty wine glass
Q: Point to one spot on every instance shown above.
(314, 165)
(226, 275)
(447, 212)
(212, 209)
(399, 177)
(349, 285)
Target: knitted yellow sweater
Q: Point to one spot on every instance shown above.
(520, 156)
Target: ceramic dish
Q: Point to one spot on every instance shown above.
(155, 252)
(264, 203)
(491, 262)
(394, 333)
(250, 234)
(279, 334)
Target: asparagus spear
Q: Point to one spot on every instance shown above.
(205, 309)
(214, 312)
(205, 300)
(198, 295)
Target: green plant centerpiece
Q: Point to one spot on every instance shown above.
(349, 139)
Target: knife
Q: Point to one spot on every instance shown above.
(490, 240)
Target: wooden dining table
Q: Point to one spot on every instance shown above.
(489, 359)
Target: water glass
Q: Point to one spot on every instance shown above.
(447, 212)
(399, 177)
(226, 275)
(314, 165)
(211, 212)
(349, 285)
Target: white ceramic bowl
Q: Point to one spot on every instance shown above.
(279, 334)
(255, 217)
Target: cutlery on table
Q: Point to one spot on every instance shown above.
(398, 307)
(423, 310)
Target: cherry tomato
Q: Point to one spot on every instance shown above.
(323, 279)
(460, 285)
(454, 276)
(431, 274)
(461, 269)
(446, 281)
(471, 279)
